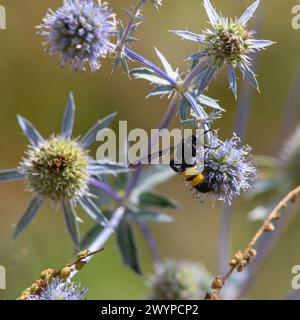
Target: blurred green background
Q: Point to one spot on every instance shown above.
(33, 85)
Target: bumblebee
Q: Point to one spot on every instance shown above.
(191, 175)
(187, 168)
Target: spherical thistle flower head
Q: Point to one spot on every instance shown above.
(178, 280)
(60, 169)
(289, 164)
(58, 290)
(57, 169)
(228, 42)
(80, 32)
(227, 168)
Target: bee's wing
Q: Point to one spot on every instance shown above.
(150, 157)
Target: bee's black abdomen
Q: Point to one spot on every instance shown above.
(203, 188)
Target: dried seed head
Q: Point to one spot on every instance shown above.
(40, 282)
(47, 274)
(241, 267)
(24, 297)
(269, 228)
(80, 264)
(34, 288)
(239, 256)
(218, 283)
(233, 263)
(276, 216)
(65, 273)
(252, 252)
(247, 259)
(211, 296)
(83, 254)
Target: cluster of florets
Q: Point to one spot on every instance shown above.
(57, 169)
(227, 42)
(178, 280)
(80, 32)
(227, 168)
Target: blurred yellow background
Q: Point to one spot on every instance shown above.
(33, 85)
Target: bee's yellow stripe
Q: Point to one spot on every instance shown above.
(193, 177)
(197, 180)
(189, 172)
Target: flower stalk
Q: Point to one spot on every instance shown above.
(133, 16)
(243, 259)
(99, 242)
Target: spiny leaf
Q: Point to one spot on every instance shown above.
(29, 215)
(71, 222)
(148, 216)
(68, 121)
(93, 211)
(127, 246)
(11, 175)
(90, 136)
(34, 137)
(151, 199)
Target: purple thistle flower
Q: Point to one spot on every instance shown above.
(58, 290)
(80, 32)
(228, 42)
(227, 167)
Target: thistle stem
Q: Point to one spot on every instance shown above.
(134, 15)
(224, 239)
(99, 242)
(151, 242)
(107, 189)
(194, 73)
(245, 257)
(264, 248)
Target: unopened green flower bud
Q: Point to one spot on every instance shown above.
(58, 169)
(175, 280)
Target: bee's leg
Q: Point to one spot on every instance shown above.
(207, 131)
(175, 167)
(208, 147)
(194, 146)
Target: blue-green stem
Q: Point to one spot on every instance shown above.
(134, 15)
